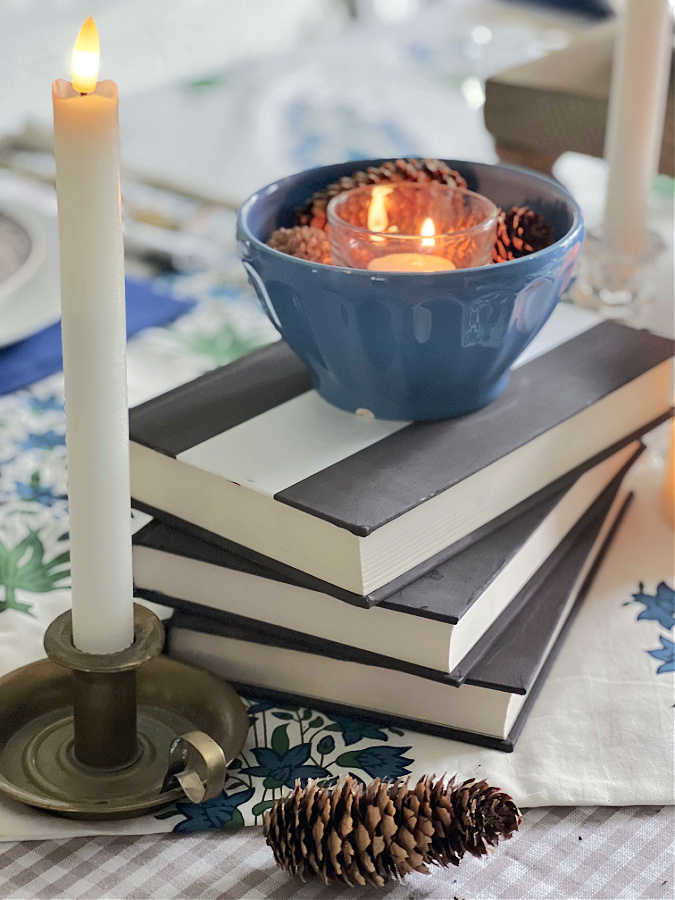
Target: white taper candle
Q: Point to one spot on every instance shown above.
(86, 144)
(635, 120)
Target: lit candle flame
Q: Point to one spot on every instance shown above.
(378, 220)
(428, 231)
(86, 56)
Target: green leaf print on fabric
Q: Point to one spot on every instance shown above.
(23, 567)
(220, 348)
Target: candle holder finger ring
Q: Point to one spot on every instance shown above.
(115, 735)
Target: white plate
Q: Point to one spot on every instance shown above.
(34, 302)
(33, 232)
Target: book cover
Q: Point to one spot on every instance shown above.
(489, 708)
(360, 503)
(433, 622)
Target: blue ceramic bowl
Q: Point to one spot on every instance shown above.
(410, 346)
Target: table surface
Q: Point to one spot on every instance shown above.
(583, 853)
(586, 852)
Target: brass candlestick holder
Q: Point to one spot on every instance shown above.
(115, 735)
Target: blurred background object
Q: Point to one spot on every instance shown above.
(144, 42)
(542, 109)
(220, 97)
(273, 86)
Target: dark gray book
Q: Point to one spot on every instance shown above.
(489, 707)
(435, 621)
(250, 457)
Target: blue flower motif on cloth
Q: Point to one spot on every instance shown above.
(221, 812)
(40, 405)
(354, 730)
(659, 606)
(35, 492)
(666, 653)
(378, 762)
(281, 765)
(324, 133)
(46, 440)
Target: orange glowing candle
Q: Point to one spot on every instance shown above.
(414, 262)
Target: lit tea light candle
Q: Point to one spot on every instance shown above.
(413, 262)
(410, 262)
(86, 146)
(411, 227)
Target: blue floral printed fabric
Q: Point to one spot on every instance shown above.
(292, 744)
(659, 608)
(607, 702)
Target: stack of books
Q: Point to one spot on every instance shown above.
(423, 574)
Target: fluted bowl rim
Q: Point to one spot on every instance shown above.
(570, 236)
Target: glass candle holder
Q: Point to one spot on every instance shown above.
(620, 286)
(410, 227)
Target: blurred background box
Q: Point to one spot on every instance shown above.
(539, 110)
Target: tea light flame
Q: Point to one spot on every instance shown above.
(428, 231)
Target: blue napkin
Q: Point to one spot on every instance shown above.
(40, 355)
(600, 9)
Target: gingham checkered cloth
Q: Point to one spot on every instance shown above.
(559, 853)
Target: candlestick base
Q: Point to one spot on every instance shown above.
(51, 719)
(618, 286)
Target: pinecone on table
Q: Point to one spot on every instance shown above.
(353, 834)
(304, 242)
(420, 170)
(519, 233)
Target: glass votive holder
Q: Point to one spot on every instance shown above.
(411, 227)
(618, 285)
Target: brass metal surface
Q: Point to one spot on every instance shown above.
(105, 718)
(104, 689)
(198, 763)
(37, 763)
(148, 642)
